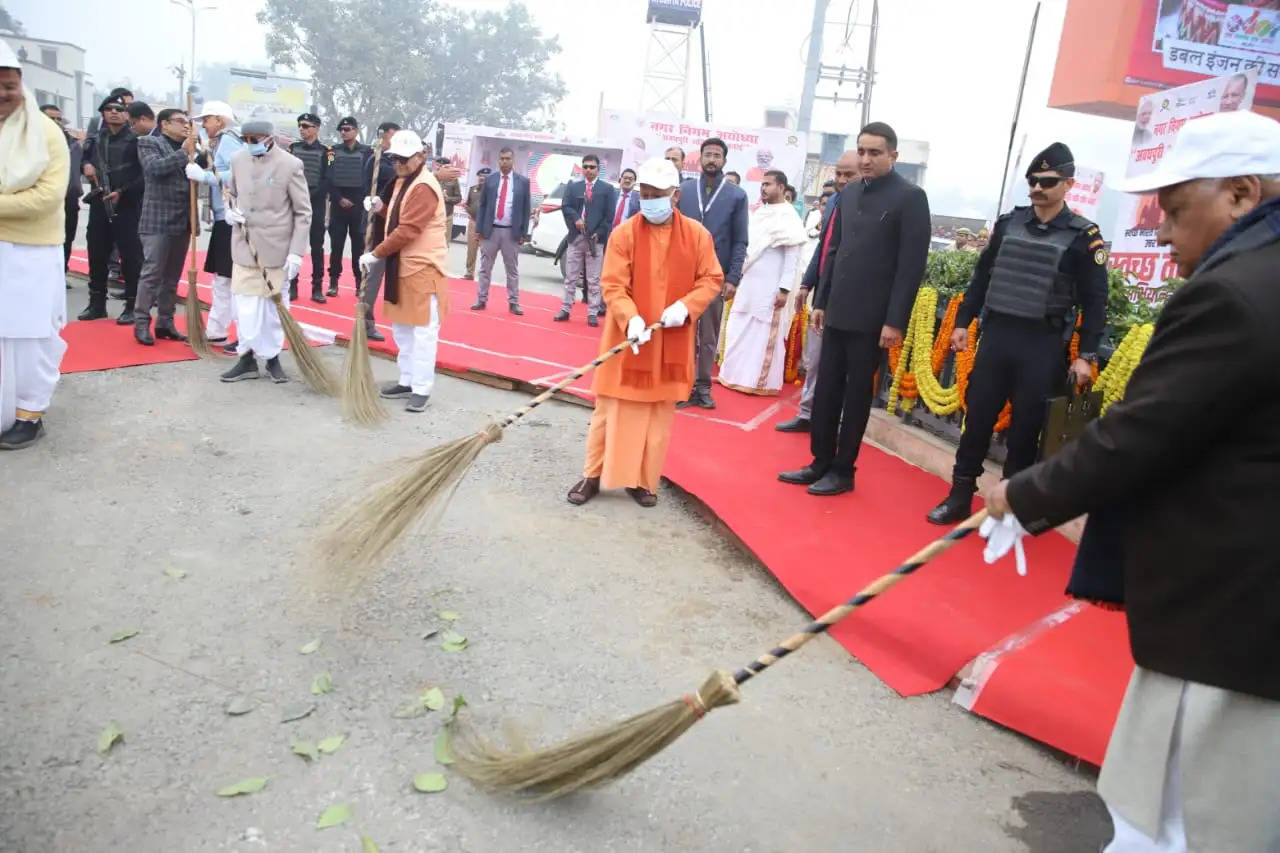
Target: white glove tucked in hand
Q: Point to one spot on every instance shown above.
(233, 216)
(675, 315)
(1001, 535)
(292, 266)
(195, 173)
(372, 203)
(367, 260)
(638, 333)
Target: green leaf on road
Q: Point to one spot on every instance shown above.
(252, 785)
(335, 815)
(306, 749)
(110, 735)
(121, 636)
(458, 704)
(367, 845)
(240, 705)
(452, 641)
(297, 712)
(175, 573)
(442, 748)
(450, 616)
(330, 745)
(430, 783)
(322, 683)
(310, 647)
(433, 699)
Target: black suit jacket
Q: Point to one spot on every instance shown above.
(600, 210)
(1189, 465)
(876, 256)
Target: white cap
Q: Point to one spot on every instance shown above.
(1222, 145)
(658, 173)
(8, 59)
(405, 143)
(216, 108)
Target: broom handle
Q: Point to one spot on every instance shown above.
(568, 380)
(194, 209)
(824, 622)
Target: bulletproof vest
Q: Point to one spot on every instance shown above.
(312, 157)
(347, 171)
(1026, 280)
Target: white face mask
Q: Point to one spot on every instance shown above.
(656, 210)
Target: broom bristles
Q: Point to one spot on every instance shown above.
(591, 759)
(360, 401)
(313, 370)
(196, 337)
(368, 527)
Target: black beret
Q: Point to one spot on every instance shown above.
(348, 121)
(1056, 158)
(485, 171)
(311, 118)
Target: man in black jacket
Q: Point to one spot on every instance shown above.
(347, 189)
(874, 263)
(115, 203)
(1188, 466)
(315, 157)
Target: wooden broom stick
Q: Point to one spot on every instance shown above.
(360, 401)
(196, 337)
(601, 756)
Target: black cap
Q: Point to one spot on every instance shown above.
(348, 121)
(310, 118)
(112, 101)
(485, 171)
(1056, 158)
(385, 126)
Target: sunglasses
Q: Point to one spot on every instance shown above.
(1047, 183)
(346, 127)
(115, 109)
(305, 126)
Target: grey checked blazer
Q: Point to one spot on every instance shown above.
(166, 199)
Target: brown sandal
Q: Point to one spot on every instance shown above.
(644, 497)
(584, 490)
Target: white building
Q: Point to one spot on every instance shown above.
(54, 71)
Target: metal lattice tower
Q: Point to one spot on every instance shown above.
(666, 69)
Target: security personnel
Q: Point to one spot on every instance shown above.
(1043, 262)
(347, 189)
(315, 157)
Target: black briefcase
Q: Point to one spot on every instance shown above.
(1067, 417)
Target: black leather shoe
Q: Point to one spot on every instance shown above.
(96, 310)
(142, 334)
(515, 308)
(803, 477)
(169, 333)
(478, 306)
(126, 318)
(831, 484)
(374, 335)
(796, 424)
(705, 401)
(317, 295)
(959, 502)
(333, 289)
(562, 317)
(21, 435)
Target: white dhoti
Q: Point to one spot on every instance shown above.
(33, 308)
(222, 312)
(257, 320)
(417, 356)
(756, 331)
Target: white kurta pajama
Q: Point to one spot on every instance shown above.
(756, 330)
(257, 320)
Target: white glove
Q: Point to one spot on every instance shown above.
(638, 333)
(372, 203)
(674, 315)
(195, 173)
(367, 260)
(233, 215)
(1001, 535)
(292, 266)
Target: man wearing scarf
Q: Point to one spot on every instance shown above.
(269, 208)
(660, 266)
(34, 168)
(756, 334)
(1182, 477)
(414, 253)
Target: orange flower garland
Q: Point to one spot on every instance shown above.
(964, 367)
(795, 345)
(942, 342)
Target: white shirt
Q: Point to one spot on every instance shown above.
(504, 218)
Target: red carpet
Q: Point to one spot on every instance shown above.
(1062, 687)
(102, 345)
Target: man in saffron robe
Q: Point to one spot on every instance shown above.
(659, 266)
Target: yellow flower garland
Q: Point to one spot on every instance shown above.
(1113, 381)
(917, 353)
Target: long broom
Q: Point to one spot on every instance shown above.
(369, 526)
(196, 337)
(360, 401)
(600, 756)
(313, 371)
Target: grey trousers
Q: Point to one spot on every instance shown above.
(506, 241)
(707, 342)
(372, 284)
(162, 259)
(577, 258)
(812, 349)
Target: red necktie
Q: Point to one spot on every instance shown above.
(588, 191)
(502, 198)
(826, 241)
(622, 205)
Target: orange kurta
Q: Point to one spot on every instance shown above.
(631, 425)
(419, 239)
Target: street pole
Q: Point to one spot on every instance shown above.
(871, 63)
(812, 66)
(1017, 107)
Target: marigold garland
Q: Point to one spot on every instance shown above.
(1115, 379)
(796, 337)
(724, 324)
(942, 343)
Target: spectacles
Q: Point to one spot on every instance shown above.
(586, 166)
(1046, 181)
(346, 127)
(178, 120)
(305, 126)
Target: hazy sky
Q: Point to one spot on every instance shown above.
(947, 71)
